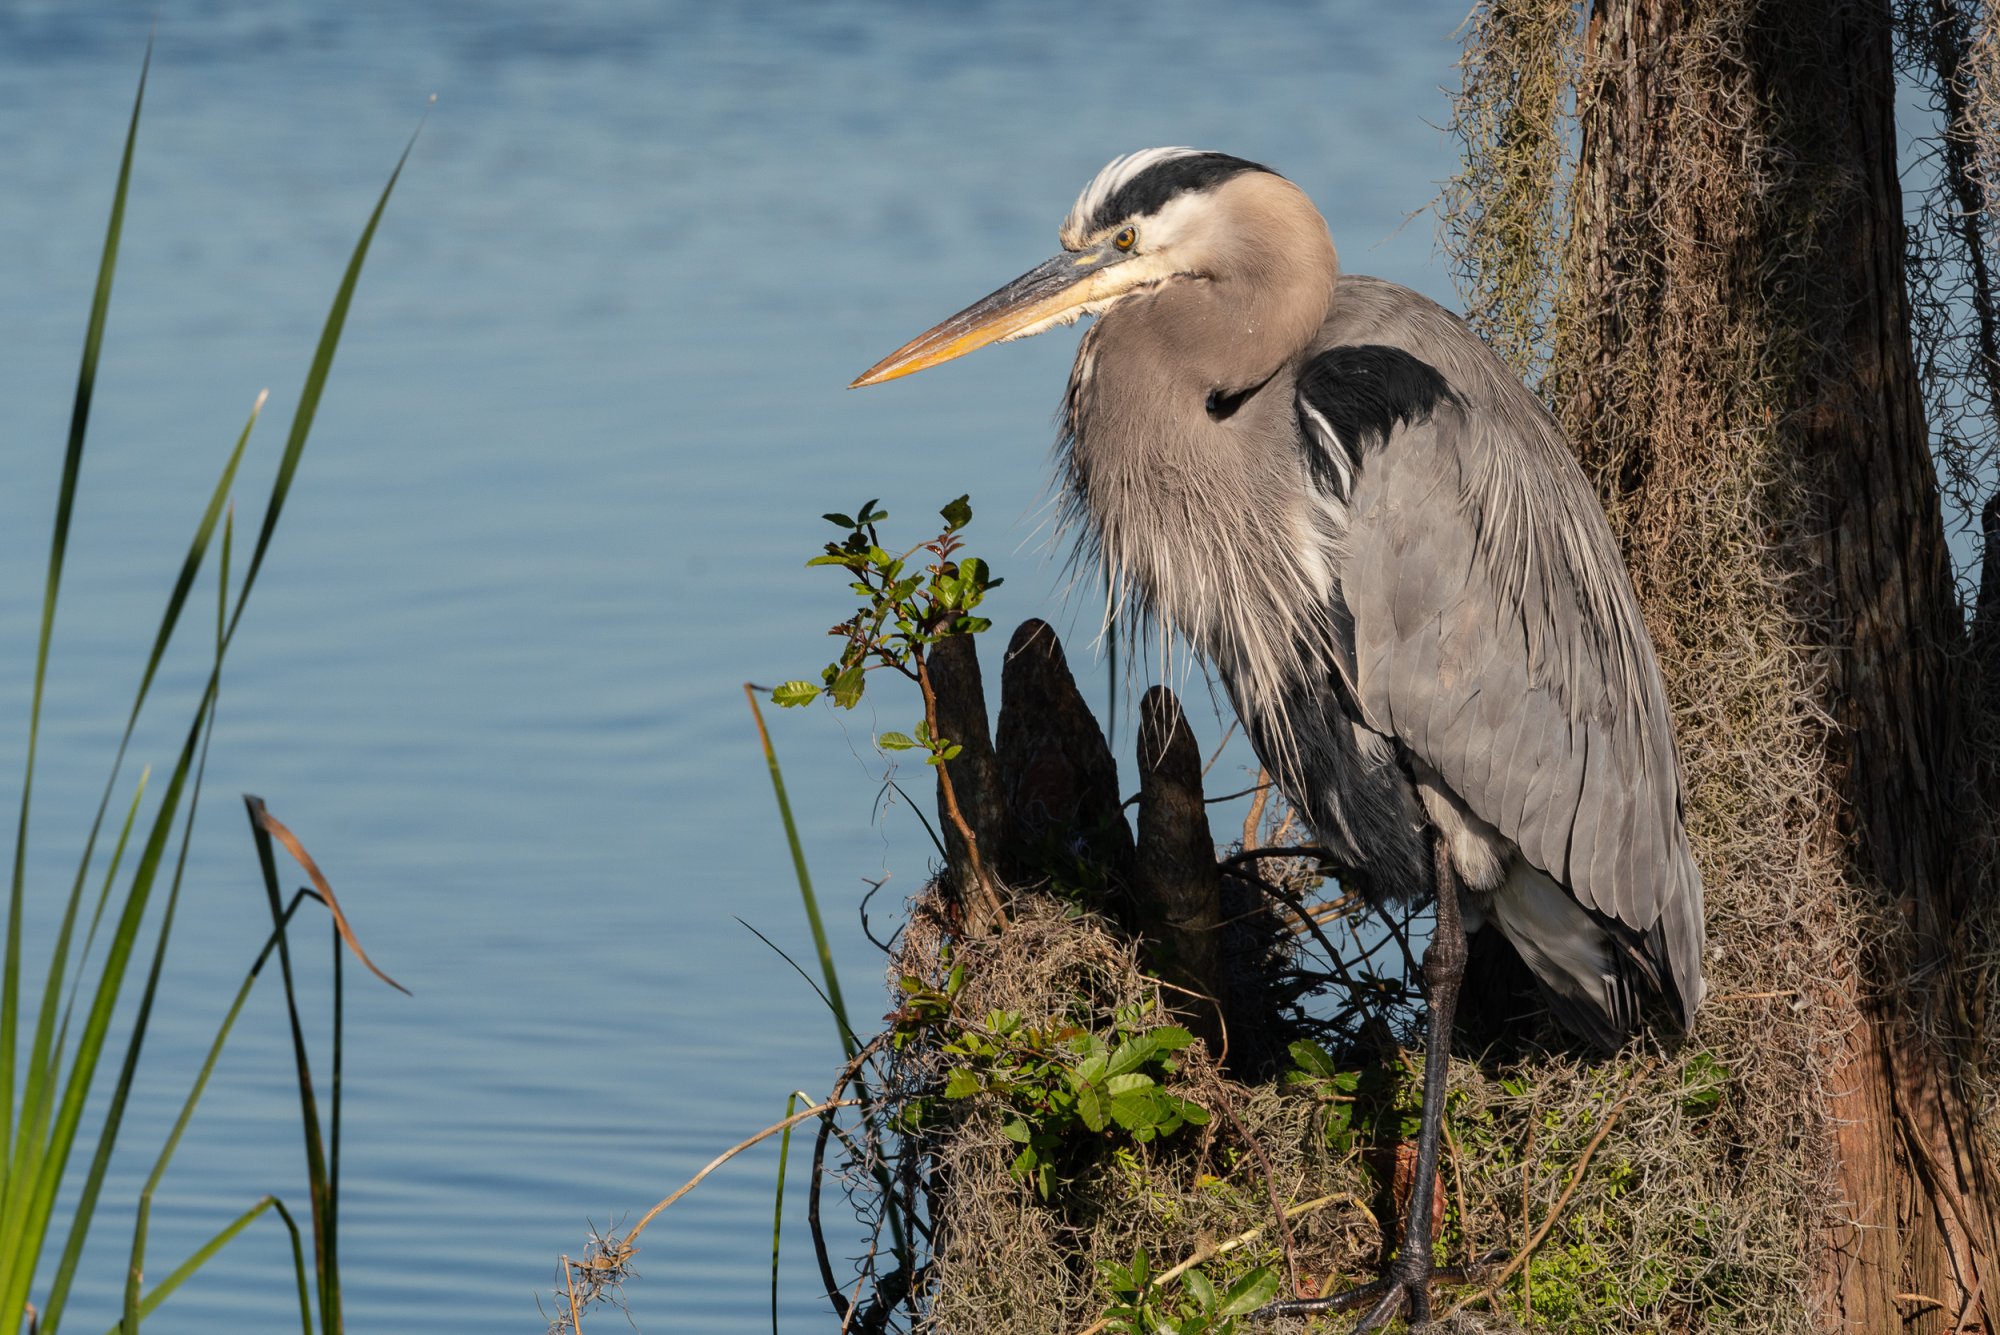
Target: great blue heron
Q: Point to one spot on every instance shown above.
(1348, 505)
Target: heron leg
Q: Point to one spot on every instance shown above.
(1409, 1275)
(1444, 969)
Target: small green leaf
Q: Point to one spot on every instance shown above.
(1142, 1113)
(1702, 1084)
(795, 693)
(839, 520)
(1135, 1052)
(1016, 1130)
(1203, 1291)
(1249, 1293)
(1126, 1084)
(961, 1084)
(1312, 1059)
(847, 685)
(1090, 1106)
(957, 514)
(895, 741)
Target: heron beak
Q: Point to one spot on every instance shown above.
(1056, 291)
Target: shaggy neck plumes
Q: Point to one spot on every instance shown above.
(1180, 431)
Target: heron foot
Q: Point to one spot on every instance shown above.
(1384, 1298)
(1387, 1296)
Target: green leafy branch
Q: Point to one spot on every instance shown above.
(1145, 1304)
(909, 601)
(1379, 1104)
(1064, 1087)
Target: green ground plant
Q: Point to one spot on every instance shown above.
(1188, 1304)
(45, 1089)
(1068, 1091)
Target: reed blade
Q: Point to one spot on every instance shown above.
(135, 1308)
(79, 422)
(207, 1251)
(847, 1040)
(309, 1122)
(44, 1060)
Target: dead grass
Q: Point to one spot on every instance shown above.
(1635, 1179)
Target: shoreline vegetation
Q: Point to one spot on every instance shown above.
(46, 1084)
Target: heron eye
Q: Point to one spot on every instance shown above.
(1126, 239)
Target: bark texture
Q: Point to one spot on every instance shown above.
(961, 711)
(1063, 816)
(1735, 339)
(1175, 876)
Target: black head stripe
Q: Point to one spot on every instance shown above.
(1152, 188)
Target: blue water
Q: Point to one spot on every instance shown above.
(589, 406)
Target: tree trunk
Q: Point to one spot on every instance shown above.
(1733, 360)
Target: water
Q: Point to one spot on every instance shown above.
(589, 405)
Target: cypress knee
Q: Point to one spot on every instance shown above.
(1174, 877)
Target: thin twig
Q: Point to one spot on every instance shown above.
(1231, 797)
(867, 1268)
(849, 1073)
(569, 1283)
(1291, 902)
(1221, 1024)
(1458, 1185)
(1332, 910)
(1243, 1239)
(1944, 1195)
(1576, 1175)
(1527, 1229)
(1270, 1187)
(731, 1153)
(1257, 807)
(1312, 851)
(1231, 732)
(957, 817)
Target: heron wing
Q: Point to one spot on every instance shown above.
(1491, 629)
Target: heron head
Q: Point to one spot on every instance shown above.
(1156, 216)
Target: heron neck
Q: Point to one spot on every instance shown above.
(1231, 333)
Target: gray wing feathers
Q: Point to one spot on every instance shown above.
(1513, 662)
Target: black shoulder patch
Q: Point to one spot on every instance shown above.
(1151, 189)
(1361, 392)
